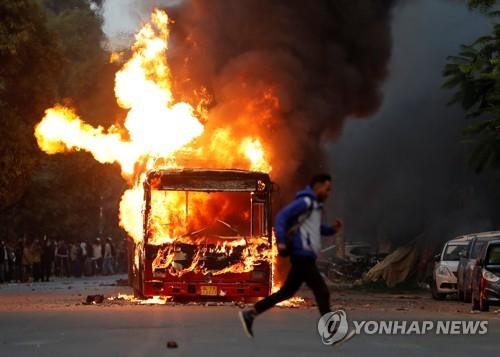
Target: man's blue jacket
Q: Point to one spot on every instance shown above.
(305, 208)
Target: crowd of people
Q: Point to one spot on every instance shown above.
(36, 260)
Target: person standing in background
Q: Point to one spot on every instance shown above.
(121, 257)
(97, 256)
(75, 257)
(4, 261)
(88, 263)
(12, 260)
(36, 259)
(83, 256)
(108, 258)
(27, 259)
(18, 252)
(47, 258)
(62, 259)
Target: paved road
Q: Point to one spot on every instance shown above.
(131, 330)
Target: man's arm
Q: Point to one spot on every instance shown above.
(327, 230)
(294, 209)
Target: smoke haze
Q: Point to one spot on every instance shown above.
(399, 173)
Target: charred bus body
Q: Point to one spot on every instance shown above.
(207, 233)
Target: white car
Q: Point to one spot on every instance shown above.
(444, 276)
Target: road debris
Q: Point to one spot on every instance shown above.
(172, 344)
(94, 299)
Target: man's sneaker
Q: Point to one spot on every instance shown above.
(246, 318)
(346, 338)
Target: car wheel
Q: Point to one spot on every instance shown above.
(468, 295)
(435, 294)
(475, 303)
(483, 303)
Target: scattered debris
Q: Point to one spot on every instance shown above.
(94, 299)
(337, 270)
(396, 267)
(122, 282)
(408, 297)
(172, 344)
(240, 304)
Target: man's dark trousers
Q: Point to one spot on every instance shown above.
(303, 269)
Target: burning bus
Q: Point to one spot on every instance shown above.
(206, 234)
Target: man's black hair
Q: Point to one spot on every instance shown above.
(320, 178)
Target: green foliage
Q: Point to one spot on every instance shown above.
(64, 199)
(79, 30)
(30, 67)
(52, 51)
(481, 4)
(474, 74)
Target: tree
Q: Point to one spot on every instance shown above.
(58, 195)
(74, 186)
(481, 4)
(475, 75)
(29, 71)
(79, 30)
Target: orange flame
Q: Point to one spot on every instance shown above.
(156, 126)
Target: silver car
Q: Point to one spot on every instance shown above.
(469, 259)
(444, 276)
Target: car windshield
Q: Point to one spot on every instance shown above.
(452, 251)
(494, 255)
(479, 244)
(477, 249)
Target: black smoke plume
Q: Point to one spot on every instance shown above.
(323, 61)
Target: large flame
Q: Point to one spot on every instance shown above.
(156, 126)
(157, 131)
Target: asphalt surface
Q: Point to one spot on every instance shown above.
(49, 320)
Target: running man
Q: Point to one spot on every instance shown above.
(298, 231)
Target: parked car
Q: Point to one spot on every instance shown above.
(356, 252)
(444, 275)
(486, 277)
(468, 260)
